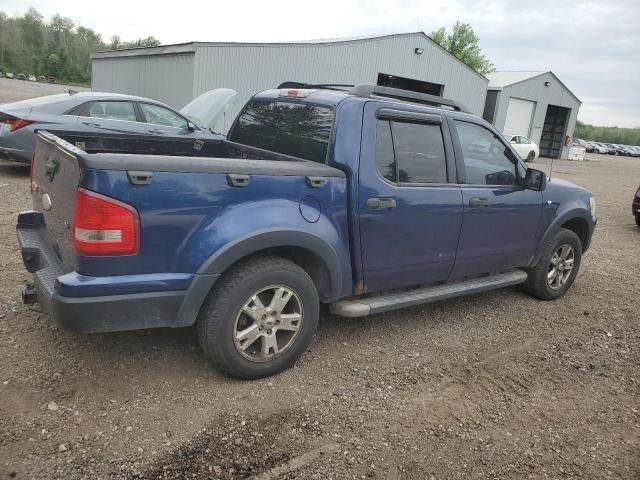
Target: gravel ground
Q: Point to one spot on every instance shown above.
(496, 385)
(15, 90)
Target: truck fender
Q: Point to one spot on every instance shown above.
(257, 241)
(575, 213)
(219, 262)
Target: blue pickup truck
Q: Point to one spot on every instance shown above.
(365, 199)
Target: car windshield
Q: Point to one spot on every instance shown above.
(298, 129)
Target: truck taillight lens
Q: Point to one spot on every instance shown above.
(104, 226)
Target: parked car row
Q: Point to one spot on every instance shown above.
(31, 78)
(609, 148)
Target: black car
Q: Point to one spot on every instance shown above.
(611, 148)
(635, 207)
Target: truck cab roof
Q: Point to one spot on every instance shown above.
(331, 96)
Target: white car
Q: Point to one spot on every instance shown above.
(527, 150)
(600, 148)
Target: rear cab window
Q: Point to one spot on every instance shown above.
(297, 129)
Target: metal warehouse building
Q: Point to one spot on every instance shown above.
(175, 74)
(534, 104)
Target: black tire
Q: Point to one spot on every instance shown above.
(216, 324)
(537, 283)
(530, 157)
(638, 220)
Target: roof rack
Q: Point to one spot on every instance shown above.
(366, 90)
(370, 91)
(327, 86)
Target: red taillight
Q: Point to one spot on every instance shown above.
(16, 123)
(104, 226)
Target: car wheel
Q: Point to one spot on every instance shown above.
(557, 267)
(530, 157)
(259, 318)
(638, 220)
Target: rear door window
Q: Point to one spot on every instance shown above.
(409, 152)
(298, 129)
(113, 111)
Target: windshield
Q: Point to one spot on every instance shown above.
(297, 129)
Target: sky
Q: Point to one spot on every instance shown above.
(592, 46)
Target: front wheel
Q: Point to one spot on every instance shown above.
(638, 220)
(531, 157)
(259, 318)
(557, 268)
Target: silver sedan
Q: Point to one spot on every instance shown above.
(93, 112)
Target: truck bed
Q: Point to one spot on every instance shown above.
(189, 206)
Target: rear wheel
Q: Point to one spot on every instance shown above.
(259, 318)
(557, 268)
(531, 157)
(638, 220)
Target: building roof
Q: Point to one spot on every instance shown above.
(499, 80)
(502, 79)
(191, 46)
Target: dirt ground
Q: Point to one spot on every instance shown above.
(15, 90)
(496, 385)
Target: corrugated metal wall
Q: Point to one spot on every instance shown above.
(535, 90)
(167, 78)
(251, 68)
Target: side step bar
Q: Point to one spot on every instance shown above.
(361, 307)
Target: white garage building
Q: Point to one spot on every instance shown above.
(533, 104)
(175, 74)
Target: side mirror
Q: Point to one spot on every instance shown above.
(535, 179)
(191, 126)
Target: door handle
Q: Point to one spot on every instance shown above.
(479, 202)
(92, 124)
(381, 203)
(153, 130)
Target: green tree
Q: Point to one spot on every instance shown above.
(58, 47)
(464, 44)
(53, 64)
(116, 43)
(623, 136)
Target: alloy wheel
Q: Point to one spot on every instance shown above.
(560, 267)
(268, 323)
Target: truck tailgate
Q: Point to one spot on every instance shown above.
(55, 178)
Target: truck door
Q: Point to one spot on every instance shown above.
(410, 207)
(500, 216)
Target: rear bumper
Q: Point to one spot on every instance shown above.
(107, 304)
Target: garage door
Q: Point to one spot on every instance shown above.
(519, 113)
